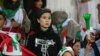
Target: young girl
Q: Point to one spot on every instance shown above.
(42, 40)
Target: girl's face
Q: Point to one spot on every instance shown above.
(2, 20)
(77, 47)
(38, 4)
(45, 20)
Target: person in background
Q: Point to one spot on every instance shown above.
(61, 23)
(15, 27)
(12, 10)
(29, 4)
(90, 47)
(76, 45)
(66, 51)
(6, 39)
(42, 40)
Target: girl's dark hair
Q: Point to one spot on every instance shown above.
(42, 11)
(71, 43)
(76, 41)
(1, 13)
(9, 4)
(39, 14)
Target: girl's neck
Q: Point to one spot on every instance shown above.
(44, 29)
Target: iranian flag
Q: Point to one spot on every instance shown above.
(10, 46)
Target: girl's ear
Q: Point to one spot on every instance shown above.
(38, 20)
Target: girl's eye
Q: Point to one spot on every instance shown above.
(49, 18)
(44, 17)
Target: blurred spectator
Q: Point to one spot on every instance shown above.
(28, 4)
(62, 23)
(12, 10)
(76, 45)
(90, 47)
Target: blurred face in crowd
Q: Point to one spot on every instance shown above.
(45, 20)
(91, 38)
(67, 54)
(38, 4)
(76, 47)
(2, 20)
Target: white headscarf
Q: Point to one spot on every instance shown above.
(63, 50)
